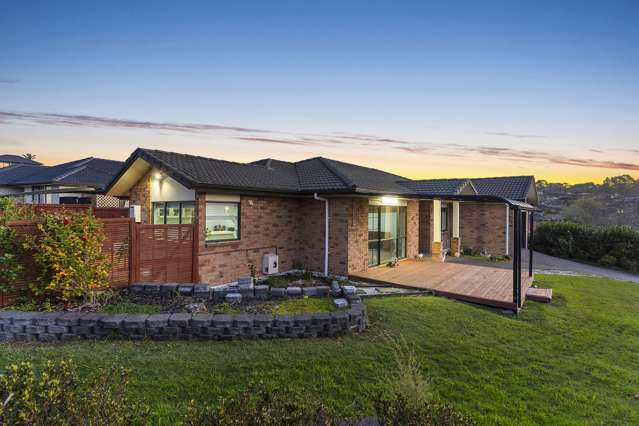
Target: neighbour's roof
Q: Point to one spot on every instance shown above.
(95, 172)
(17, 159)
(511, 187)
(437, 186)
(318, 174)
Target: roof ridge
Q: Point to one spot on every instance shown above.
(366, 167)
(237, 163)
(336, 172)
(69, 172)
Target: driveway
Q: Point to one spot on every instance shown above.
(555, 265)
(549, 264)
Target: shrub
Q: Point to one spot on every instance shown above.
(10, 266)
(277, 281)
(69, 254)
(616, 246)
(262, 405)
(57, 396)
(10, 210)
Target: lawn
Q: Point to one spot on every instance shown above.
(574, 361)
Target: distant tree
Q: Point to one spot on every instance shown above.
(588, 211)
(29, 156)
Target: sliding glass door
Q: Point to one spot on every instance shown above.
(386, 234)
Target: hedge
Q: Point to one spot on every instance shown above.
(616, 246)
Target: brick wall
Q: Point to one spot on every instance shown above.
(413, 228)
(358, 236)
(267, 225)
(483, 227)
(425, 226)
(140, 194)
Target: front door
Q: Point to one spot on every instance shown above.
(386, 234)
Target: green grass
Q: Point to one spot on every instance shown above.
(308, 305)
(130, 308)
(575, 361)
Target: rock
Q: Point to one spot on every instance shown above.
(201, 291)
(245, 283)
(278, 292)
(233, 298)
(293, 291)
(261, 291)
(185, 290)
(349, 290)
(341, 303)
(196, 308)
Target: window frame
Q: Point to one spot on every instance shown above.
(164, 209)
(239, 221)
(401, 241)
(444, 223)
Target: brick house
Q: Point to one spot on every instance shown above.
(319, 214)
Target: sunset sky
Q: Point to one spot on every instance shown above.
(421, 89)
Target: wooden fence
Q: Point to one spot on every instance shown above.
(149, 253)
(98, 212)
(116, 246)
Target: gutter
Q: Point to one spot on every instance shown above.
(318, 198)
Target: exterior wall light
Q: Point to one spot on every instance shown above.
(390, 201)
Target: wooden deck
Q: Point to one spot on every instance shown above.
(484, 285)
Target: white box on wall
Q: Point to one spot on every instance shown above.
(270, 264)
(136, 212)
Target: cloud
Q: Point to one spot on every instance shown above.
(9, 81)
(596, 151)
(554, 158)
(515, 135)
(281, 141)
(73, 120)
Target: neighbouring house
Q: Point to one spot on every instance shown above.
(320, 214)
(75, 182)
(8, 160)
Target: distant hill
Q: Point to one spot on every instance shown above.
(613, 202)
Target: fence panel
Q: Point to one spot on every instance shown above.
(164, 253)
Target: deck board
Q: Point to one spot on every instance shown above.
(486, 285)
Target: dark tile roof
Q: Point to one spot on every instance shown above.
(307, 176)
(511, 187)
(17, 159)
(436, 186)
(316, 174)
(94, 172)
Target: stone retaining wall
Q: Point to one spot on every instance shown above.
(66, 326)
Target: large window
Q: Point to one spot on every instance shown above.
(386, 233)
(222, 221)
(173, 212)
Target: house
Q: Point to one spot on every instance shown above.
(8, 160)
(321, 214)
(75, 182)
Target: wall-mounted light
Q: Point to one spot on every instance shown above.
(159, 175)
(390, 201)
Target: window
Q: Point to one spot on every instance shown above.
(444, 219)
(173, 212)
(386, 233)
(222, 221)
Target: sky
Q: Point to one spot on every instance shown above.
(421, 89)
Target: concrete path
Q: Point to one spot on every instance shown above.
(549, 264)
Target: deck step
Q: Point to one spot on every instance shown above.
(543, 295)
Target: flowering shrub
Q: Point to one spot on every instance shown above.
(57, 396)
(69, 254)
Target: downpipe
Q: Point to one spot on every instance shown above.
(318, 198)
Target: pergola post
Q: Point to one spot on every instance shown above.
(516, 256)
(455, 243)
(436, 244)
(530, 243)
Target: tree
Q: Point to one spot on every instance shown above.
(29, 156)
